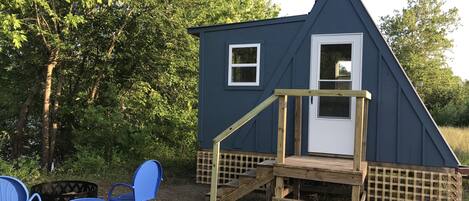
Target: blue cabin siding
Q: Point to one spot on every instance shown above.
(222, 105)
(400, 129)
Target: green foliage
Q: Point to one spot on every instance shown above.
(419, 37)
(86, 161)
(4, 140)
(129, 71)
(456, 113)
(452, 114)
(25, 168)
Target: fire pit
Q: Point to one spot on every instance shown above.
(65, 190)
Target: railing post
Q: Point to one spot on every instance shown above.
(298, 124)
(358, 148)
(359, 121)
(365, 127)
(215, 167)
(282, 131)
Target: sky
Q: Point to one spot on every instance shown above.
(378, 8)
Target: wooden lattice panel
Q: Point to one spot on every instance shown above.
(393, 183)
(231, 165)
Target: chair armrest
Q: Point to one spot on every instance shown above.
(109, 195)
(35, 195)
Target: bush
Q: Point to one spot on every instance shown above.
(25, 168)
(452, 115)
(85, 161)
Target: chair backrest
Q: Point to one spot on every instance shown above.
(147, 180)
(12, 189)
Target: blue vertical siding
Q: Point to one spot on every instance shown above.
(400, 129)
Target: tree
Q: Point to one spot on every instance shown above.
(418, 36)
(117, 71)
(52, 21)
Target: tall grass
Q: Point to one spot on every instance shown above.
(458, 139)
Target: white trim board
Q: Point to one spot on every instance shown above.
(231, 65)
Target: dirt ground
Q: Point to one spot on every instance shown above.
(190, 191)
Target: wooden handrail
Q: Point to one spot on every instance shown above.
(251, 114)
(361, 95)
(226, 133)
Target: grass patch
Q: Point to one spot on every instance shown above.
(458, 139)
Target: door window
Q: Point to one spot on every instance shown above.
(335, 73)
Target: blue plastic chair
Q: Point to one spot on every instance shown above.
(147, 179)
(12, 189)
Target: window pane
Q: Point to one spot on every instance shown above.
(245, 55)
(243, 74)
(336, 62)
(342, 85)
(335, 106)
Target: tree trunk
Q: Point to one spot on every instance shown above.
(110, 50)
(55, 117)
(18, 137)
(53, 58)
(94, 88)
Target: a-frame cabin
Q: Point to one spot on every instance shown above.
(346, 111)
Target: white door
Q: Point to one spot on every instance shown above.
(336, 63)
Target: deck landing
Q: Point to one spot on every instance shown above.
(327, 169)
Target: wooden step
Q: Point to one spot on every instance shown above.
(249, 181)
(232, 184)
(247, 177)
(265, 168)
(223, 190)
(226, 188)
(284, 199)
(247, 188)
(266, 163)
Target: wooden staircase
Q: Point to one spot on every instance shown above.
(247, 182)
(326, 169)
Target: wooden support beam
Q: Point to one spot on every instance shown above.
(330, 93)
(282, 128)
(358, 148)
(279, 187)
(356, 191)
(296, 189)
(215, 167)
(298, 124)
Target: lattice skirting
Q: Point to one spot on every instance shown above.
(384, 182)
(232, 164)
(397, 183)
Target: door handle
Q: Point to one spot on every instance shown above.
(312, 99)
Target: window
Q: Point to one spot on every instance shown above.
(335, 73)
(244, 65)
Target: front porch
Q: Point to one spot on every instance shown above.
(351, 171)
(319, 168)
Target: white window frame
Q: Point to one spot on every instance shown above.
(231, 65)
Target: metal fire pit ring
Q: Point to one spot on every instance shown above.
(65, 190)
